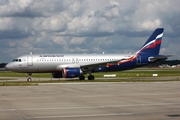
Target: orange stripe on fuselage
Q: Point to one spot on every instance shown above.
(64, 71)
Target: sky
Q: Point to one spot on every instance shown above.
(86, 26)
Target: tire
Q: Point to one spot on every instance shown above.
(81, 77)
(90, 77)
(29, 80)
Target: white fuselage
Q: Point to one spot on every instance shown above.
(56, 62)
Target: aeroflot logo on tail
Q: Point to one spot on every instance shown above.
(153, 43)
(51, 55)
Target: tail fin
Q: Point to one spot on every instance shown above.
(152, 45)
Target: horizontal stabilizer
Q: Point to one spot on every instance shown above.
(159, 57)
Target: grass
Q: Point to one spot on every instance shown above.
(33, 83)
(141, 72)
(134, 75)
(16, 84)
(14, 74)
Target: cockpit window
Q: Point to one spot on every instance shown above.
(17, 60)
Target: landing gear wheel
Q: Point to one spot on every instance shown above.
(29, 79)
(81, 77)
(90, 77)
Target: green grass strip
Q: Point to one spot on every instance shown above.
(17, 84)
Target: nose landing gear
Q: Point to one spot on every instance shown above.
(29, 79)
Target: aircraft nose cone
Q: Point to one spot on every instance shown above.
(9, 66)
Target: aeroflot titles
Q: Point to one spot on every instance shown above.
(51, 55)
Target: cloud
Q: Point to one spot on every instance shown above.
(58, 40)
(77, 40)
(150, 24)
(33, 8)
(6, 24)
(91, 26)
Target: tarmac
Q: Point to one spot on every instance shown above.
(20, 79)
(91, 101)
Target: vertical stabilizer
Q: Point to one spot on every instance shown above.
(152, 45)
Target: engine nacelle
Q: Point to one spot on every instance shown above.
(57, 75)
(71, 72)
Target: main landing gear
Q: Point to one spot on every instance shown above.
(29, 79)
(82, 77)
(90, 77)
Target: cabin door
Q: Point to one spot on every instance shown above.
(30, 60)
(138, 60)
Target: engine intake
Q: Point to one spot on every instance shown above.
(57, 75)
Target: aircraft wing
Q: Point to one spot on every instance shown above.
(97, 65)
(154, 58)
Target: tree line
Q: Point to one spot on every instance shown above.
(166, 62)
(2, 65)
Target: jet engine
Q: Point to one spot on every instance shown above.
(71, 72)
(57, 75)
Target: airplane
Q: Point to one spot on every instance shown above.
(77, 65)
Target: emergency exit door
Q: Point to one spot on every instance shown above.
(30, 60)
